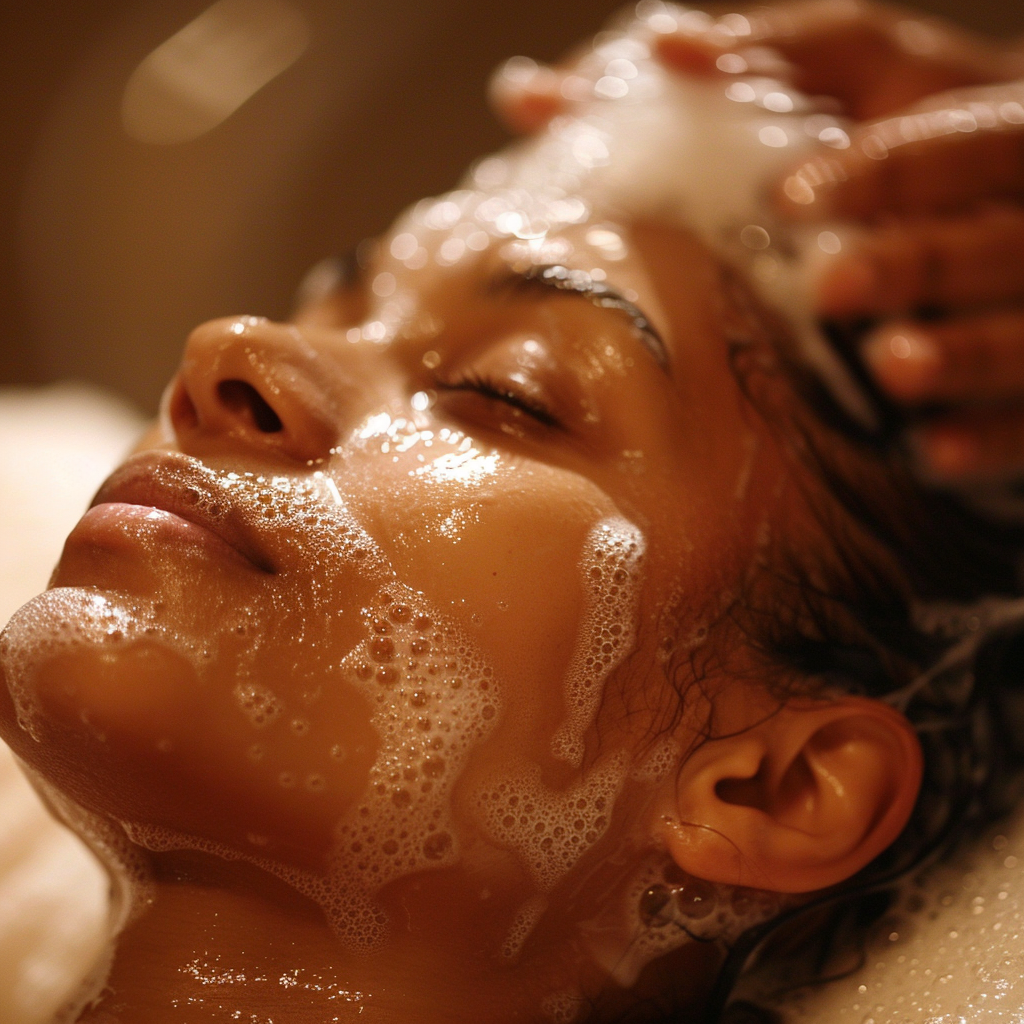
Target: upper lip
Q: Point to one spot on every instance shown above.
(187, 488)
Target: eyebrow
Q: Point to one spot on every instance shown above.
(579, 282)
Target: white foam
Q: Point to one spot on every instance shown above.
(664, 755)
(523, 923)
(699, 152)
(434, 699)
(563, 1007)
(611, 566)
(550, 829)
(65, 620)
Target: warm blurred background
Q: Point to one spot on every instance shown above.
(114, 245)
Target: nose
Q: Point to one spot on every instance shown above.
(257, 384)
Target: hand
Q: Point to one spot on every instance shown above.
(875, 59)
(938, 191)
(935, 177)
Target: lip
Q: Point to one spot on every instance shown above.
(196, 510)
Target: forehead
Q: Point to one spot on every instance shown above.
(472, 237)
(529, 227)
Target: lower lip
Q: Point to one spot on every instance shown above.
(117, 525)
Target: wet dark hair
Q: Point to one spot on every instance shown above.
(913, 604)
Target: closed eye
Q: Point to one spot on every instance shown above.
(503, 391)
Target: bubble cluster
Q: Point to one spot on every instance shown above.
(661, 759)
(259, 704)
(433, 699)
(322, 528)
(563, 1007)
(523, 923)
(551, 829)
(64, 620)
(612, 561)
(662, 908)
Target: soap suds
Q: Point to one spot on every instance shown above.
(551, 829)
(611, 566)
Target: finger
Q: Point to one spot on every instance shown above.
(873, 58)
(948, 263)
(977, 446)
(966, 360)
(704, 54)
(526, 95)
(690, 53)
(928, 161)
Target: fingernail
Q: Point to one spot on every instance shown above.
(945, 453)
(906, 362)
(850, 285)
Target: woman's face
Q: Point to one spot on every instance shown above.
(396, 586)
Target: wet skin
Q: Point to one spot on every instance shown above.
(304, 482)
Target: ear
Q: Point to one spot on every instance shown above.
(798, 802)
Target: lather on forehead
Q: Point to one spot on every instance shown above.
(650, 144)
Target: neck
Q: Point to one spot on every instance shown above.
(220, 938)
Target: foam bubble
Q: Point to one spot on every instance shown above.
(551, 829)
(523, 923)
(563, 1007)
(658, 762)
(434, 698)
(258, 703)
(65, 620)
(611, 564)
(661, 908)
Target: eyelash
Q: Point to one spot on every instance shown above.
(501, 391)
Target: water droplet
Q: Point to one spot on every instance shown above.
(400, 613)
(654, 906)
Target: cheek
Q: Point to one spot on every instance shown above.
(503, 556)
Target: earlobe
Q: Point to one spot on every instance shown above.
(798, 802)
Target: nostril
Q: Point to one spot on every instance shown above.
(244, 400)
(181, 408)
